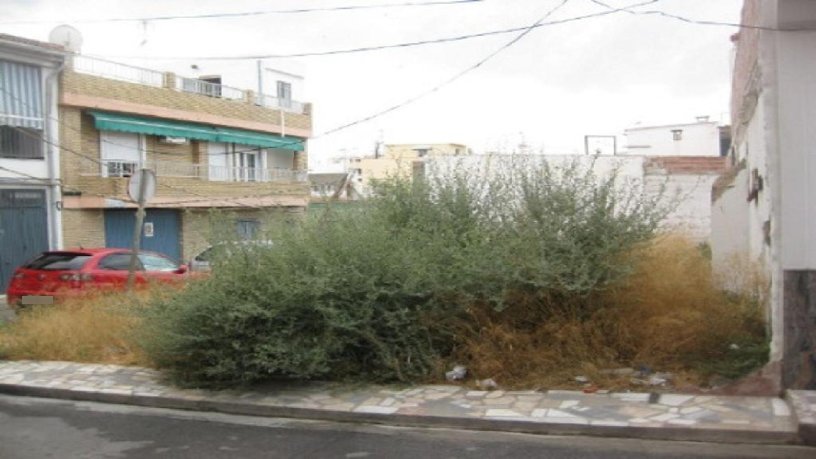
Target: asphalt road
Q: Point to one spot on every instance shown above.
(41, 428)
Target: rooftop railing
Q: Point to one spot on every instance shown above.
(117, 71)
(148, 77)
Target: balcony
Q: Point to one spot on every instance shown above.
(167, 80)
(202, 172)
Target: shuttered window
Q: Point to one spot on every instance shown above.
(21, 111)
(21, 95)
(20, 143)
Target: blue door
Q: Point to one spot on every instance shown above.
(23, 230)
(160, 232)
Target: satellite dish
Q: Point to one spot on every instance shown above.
(67, 36)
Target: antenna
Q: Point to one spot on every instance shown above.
(66, 36)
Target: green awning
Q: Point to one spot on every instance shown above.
(154, 126)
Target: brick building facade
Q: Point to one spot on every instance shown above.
(211, 146)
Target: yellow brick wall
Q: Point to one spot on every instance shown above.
(83, 227)
(76, 83)
(200, 228)
(80, 141)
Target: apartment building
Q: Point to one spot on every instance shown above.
(398, 160)
(211, 146)
(30, 199)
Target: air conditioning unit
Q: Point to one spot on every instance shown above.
(174, 140)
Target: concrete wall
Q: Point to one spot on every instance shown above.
(773, 105)
(683, 182)
(698, 139)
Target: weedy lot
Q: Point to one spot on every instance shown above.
(562, 274)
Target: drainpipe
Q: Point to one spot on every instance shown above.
(51, 128)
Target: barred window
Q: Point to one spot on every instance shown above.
(20, 143)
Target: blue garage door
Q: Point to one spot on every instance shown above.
(23, 230)
(160, 233)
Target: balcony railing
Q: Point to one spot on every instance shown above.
(124, 168)
(132, 74)
(117, 71)
(205, 88)
(287, 105)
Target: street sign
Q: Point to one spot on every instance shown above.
(149, 188)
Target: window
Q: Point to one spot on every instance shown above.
(206, 255)
(247, 166)
(20, 143)
(58, 261)
(284, 92)
(233, 162)
(157, 263)
(118, 262)
(422, 152)
(121, 153)
(677, 134)
(21, 110)
(248, 229)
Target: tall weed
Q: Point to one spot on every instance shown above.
(379, 291)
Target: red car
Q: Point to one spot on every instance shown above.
(66, 273)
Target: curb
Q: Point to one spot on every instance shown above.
(804, 414)
(678, 433)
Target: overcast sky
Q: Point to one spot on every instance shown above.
(555, 85)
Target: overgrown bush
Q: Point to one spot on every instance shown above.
(381, 290)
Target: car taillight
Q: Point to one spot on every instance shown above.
(19, 275)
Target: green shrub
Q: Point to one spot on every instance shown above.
(374, 292)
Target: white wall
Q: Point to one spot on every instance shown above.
(698, 139)
(691, 193)
(797, 146)
(33, 167)
(280, 159)
(691, 214)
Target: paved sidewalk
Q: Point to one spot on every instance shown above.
(638, 415)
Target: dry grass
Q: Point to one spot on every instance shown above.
(671, 315)
(96, 329)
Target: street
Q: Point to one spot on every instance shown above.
(37, 428)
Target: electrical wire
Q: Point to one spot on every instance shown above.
(52, 182)
(696, 21)
(248, 13)
(130, 147)
(99, 162)
(380, 47)
(450, 80)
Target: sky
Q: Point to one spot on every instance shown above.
(556, 84)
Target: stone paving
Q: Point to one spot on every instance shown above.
(746, 415)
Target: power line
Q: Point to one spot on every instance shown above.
(130, 147)
(248, 13)
(450, 80)
(52, 182)
(99, 162)
(695, 21)
(381, 47)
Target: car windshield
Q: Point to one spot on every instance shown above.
(153, 262)
(57, 261)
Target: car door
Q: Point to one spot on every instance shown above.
(111, 271)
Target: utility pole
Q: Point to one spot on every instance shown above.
(139, 192)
